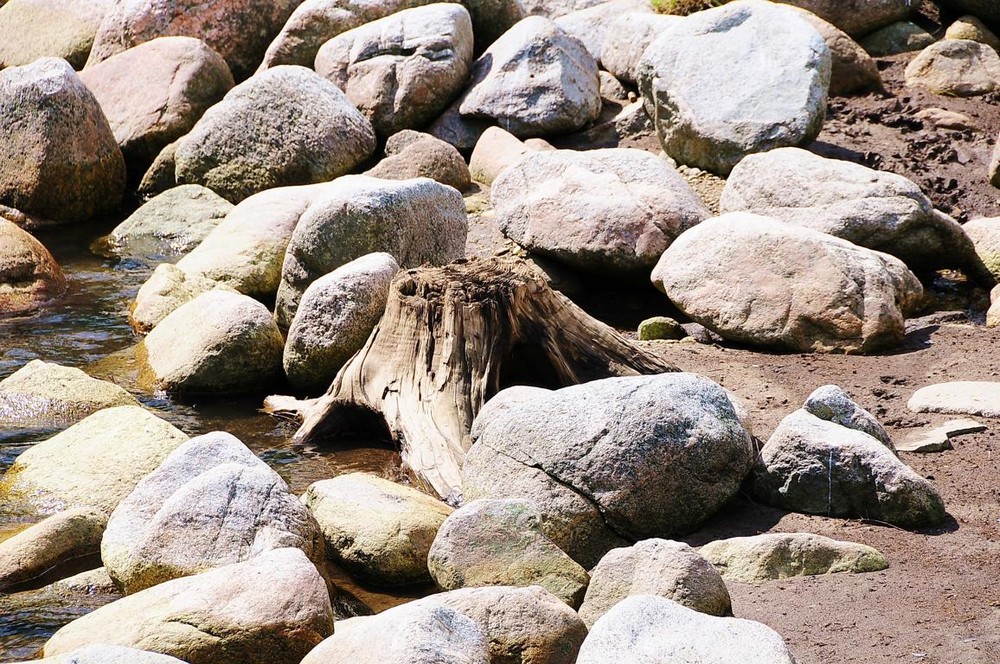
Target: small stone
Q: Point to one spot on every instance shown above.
(660, 327)
(970, 27)
(955, 68)
(945, 119)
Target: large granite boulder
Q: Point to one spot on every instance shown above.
(47, 395)
(94, 463)
(818, 466)
(856, 19)
(336, 315)
(30, 277)
(181, 78)
(501, 543)
(32, 29)
(166, 290)
(611, 458)
(285, 126)
(956, 68)
(874, 209)
(746, 77)
(534, 80)
(403, 70)
(169, 225)
(238, 30)
(774, 284)
(380, 531)
(60, 161)
(211, 503)
(105, 654)
(416, 221)
(271, 609)
(314, 22)
(246, 250)
(655, 567)
(647, 628)
(610, 211)
(219, 342)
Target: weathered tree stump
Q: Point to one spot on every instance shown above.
(450, 338)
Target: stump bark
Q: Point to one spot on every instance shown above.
(450, 338)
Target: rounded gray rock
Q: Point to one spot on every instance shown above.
(746, 77)
(610, 211)
(334, 318)
(284, 126)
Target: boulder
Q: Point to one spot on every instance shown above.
(412, 633)
(985, 236)
(902, 37)
(181, 78)
(314, 22)
(166, 289)
(647, 628)
(746, 77)
(762, 558)
(525, 625)
(970, 27)
(48, 395)
(60, 160)
(816, 466)
(271, 609)
(501, 543)
(416, 221)
(852, 69)
(219, 342)
(211, 503)
(336, 315)
(534, 80)
(401, 71)
(495, 150)
(285, 126)
(378, 530)
(627, 39)
(29, 275)
(170, 224)
(238, 30)
(956, 68)
(32, 29)
(591, 25)
(610, 211)
(961, 397)
(874, 209)
(38, 549)
(611, 458)
(411, 154)
(769, 283)
(655, 567)
(246, 250)
(94, 463)
(105, 654)
(831, 403)
(853, 18)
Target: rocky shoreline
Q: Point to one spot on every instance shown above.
(382, 215)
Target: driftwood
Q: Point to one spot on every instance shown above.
(450, 338)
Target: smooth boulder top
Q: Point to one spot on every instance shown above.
(773, 284)
(610, 211)
(272, 609)
(32, 29)
(657, 630)
(611, 458)
(746, 77)
(285, 126)
(52, 395)
(30, 277)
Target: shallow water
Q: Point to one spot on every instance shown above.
(88, 329)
